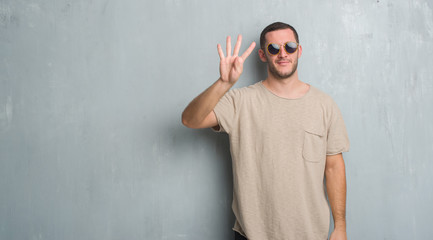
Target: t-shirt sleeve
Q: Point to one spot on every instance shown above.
(337, 141)
(225, 111)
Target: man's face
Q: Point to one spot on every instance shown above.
(282, 65)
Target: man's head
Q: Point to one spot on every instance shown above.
(281, 65)
(274, 27)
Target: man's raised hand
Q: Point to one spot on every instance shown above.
(231, 66)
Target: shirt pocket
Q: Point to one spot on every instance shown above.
(314, 148)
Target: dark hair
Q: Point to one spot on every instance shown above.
(273, 27)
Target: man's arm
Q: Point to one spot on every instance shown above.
(199, 113)
(335, 174)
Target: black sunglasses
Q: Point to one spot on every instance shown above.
(289, 47)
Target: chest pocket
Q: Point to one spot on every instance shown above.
(314, 148)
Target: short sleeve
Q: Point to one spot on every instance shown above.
(225, 111)
(338, 140)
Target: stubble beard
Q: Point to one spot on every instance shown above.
(280, 75)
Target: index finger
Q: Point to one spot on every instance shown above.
(248, 51)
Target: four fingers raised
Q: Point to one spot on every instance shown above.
(236, 49)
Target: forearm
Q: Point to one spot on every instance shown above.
(199, 108)
(336, 189)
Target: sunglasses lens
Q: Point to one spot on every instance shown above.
(291, 47)
(273, 48)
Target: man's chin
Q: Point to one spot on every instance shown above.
(282, 76)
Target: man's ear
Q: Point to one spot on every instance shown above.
(299, 51)
(262, 55)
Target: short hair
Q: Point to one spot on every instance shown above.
(274, 27)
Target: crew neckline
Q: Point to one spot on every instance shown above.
(289, 99)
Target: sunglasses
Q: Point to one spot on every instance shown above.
(289, 47)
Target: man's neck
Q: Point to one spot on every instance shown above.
(290, 88)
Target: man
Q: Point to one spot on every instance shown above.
(286, 137)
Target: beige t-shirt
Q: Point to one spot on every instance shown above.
(279, 149)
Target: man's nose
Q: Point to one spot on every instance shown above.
(282, 53)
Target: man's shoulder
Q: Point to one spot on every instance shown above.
(247, 90)
(320, 95)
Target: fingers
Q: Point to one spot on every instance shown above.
(229, 46)
(236, 49)
(238, 45)
(248, 51)
(220, 51)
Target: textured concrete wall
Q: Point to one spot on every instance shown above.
(91, 93)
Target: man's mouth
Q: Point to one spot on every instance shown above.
(283, 62)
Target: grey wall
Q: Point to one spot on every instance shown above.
(91, 93)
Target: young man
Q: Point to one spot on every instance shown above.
(286, 137)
